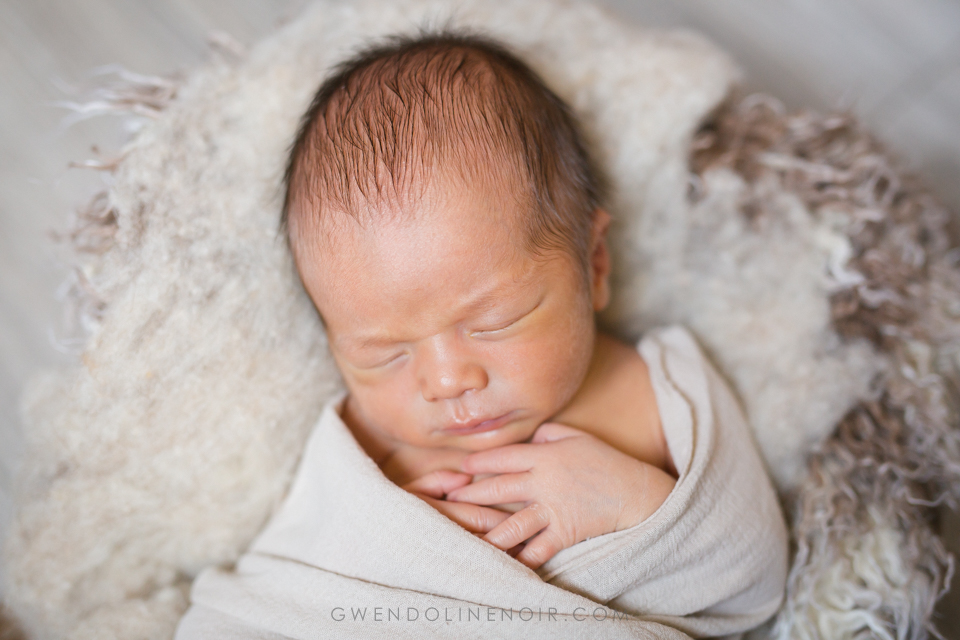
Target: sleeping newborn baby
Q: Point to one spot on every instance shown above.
(443, 216)
(445, 220)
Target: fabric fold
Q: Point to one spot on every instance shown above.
(348, 543)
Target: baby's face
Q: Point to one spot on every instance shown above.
(448, 333)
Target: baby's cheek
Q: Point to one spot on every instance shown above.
(387, 404)
(537, 362)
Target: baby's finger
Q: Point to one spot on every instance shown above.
(471, 517)
(553, 431)
(511, 458)
(518, 527)
(437, 484)
(501, 489)
(543, 547)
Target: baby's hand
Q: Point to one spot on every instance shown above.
(574, 486)
(434, 486)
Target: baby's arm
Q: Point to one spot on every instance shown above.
(574, 485)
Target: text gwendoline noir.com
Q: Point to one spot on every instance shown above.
(471, 614)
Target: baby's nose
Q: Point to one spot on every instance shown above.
(446, 374)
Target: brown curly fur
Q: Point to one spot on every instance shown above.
(889, 461)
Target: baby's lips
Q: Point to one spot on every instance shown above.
(480, 425)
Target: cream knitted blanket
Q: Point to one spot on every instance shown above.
(350, 554)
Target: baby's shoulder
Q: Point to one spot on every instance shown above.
(618, 405)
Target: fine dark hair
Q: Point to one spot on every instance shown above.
(394, 115)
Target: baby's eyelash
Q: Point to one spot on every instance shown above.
(512, 322)
(501, 327)
(386, 362)
(378, 365)
(508, 324)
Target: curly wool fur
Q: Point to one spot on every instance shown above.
(868, 563)
(169, 447)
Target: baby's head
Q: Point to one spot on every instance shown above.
(444, 219)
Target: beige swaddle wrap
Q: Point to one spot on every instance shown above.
(350, 554)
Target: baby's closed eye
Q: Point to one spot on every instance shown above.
(510, 321)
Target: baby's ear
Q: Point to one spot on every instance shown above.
(600, 260)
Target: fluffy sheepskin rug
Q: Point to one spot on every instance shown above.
(824, 284)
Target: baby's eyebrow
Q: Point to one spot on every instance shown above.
(364, 342)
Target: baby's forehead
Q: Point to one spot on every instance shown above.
(444, 206)
(457, 230)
